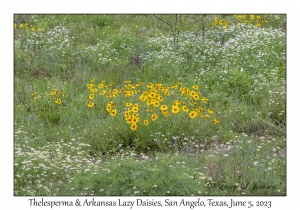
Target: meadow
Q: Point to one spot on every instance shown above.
(152, 105)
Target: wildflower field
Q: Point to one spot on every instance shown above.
(149, 105)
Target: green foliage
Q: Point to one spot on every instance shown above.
(79, 148)
(240, 82)
(186, 175)
(100, 20)
(276, 106)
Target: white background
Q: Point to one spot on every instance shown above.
(9, 8)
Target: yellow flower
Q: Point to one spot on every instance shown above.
(113, 112)
(127, 114)
(201, 108)
(20, 25)
(129, 93)
(151, 102)
(93, 90)
(165, 113)
(91, 104)
(160, 98)
(175, 109)
(193, 103)
(108, 107)
(128, 120)
(196, 97)
(128, 104)
(215, 121)
(204, 99)
(257, 24)
(156, 103)
(195, 87)
(134, 120)
(177, 102)
(163, 107)
(90, 86)
(252, 16)
(216, 21)
(154, 117)
(32, 29)
(93, 80)
(166, 92)
(146, 122)
(15, 25)
(193, 114)
(128, 86)
(92, 96)
(135, 109)
(39, 29)
(102, 92)
(149, 85)
(36, 98)
(58, 101)
(52, 93)
(100, 85)
(152, 95)
(133, 126)
(210, 111)
(185, 108)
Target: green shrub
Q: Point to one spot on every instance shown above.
(240, 82)
(100, 20)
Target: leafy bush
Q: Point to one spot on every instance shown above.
(100, 20)
(148, 107)
(240, 82)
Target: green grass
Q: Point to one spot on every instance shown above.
(71, 149)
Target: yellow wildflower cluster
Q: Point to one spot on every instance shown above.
(149, 101)
(26, 27)
(253, 19)
(93, 89)
(219, 22)
(54, 96)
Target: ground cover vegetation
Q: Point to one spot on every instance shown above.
(150, 104)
